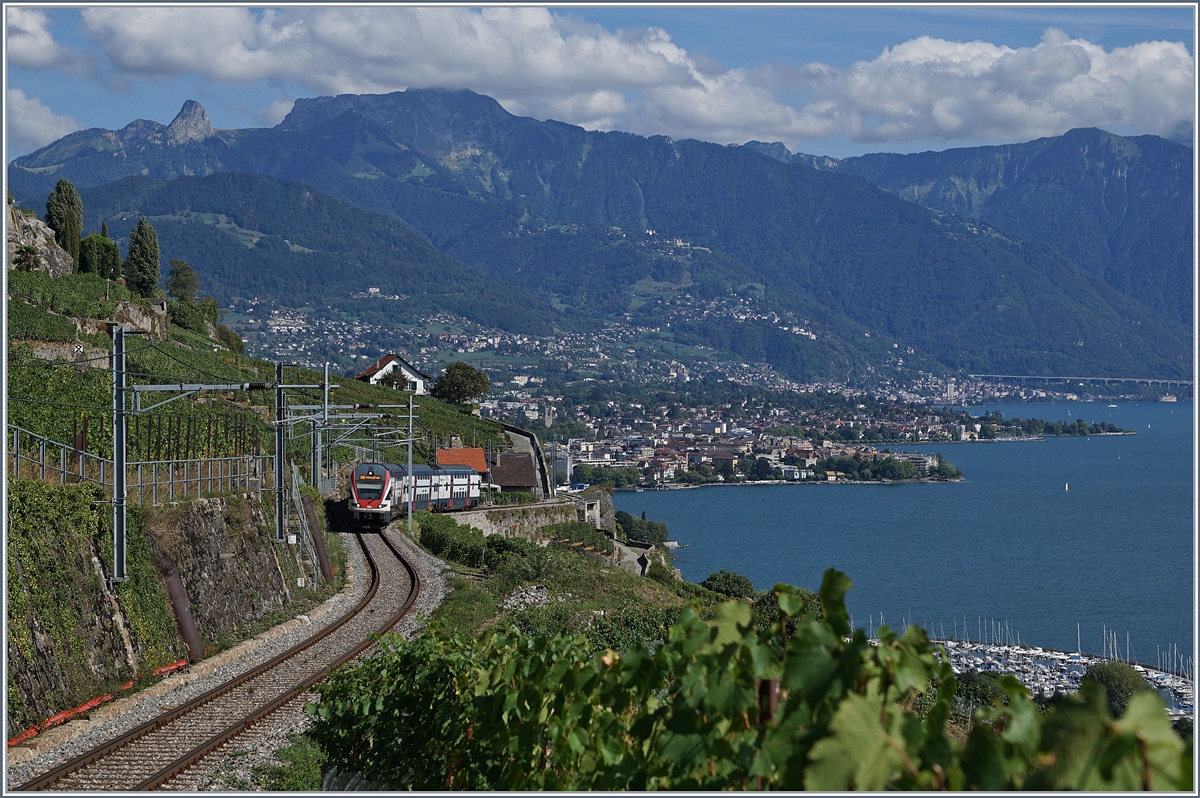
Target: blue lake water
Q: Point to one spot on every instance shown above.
(1008, 544)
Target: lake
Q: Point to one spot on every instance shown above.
(1010, 544)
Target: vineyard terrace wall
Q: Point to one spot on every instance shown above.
(72, 636)
(526, 520)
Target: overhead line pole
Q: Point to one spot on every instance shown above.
(410, 473)
(280, 447)
(118, 500)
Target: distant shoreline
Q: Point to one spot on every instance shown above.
(679, 486)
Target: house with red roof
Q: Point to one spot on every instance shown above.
(395, 369)
(473, 457)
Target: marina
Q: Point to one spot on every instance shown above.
(1048, 672)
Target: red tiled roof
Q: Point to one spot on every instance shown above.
(466, 456)
(375, 367)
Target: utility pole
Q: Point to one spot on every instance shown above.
(324, 424)
(280, 454)
(118, 398)
(410, 473)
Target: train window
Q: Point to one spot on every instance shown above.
(369, 492)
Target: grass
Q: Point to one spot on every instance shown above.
(301, 773)
(580, 583)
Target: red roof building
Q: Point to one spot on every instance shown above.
(465, 456)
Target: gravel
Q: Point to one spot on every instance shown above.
(232, 767)
(63, 743)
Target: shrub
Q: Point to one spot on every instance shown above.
(730, 583)
(1120, 683)
(660, 573)
(640, 529)
(187, 316)
(520, 712)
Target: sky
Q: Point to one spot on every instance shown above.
(836, 81)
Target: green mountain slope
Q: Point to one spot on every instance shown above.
(1119, 207)
(255, 236)
(566, 214)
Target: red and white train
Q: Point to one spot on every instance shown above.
(379, 491)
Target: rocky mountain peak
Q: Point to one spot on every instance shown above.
(190, 124)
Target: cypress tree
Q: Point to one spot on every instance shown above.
(64, 215)
(100, 255)
(142, 266)
(104, 229)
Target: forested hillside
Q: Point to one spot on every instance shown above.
(603, 224)
(254, 236)
(1120, 207)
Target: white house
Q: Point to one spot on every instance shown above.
(399, 368)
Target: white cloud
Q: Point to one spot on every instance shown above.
(552, 66)
(29, 42)
(31, 124)
(931, 88)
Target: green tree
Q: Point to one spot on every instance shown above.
(946, 470)
(1120, 682)
(762, 469)
(142, 266)
(182, 281)
(104, 230)
(729, 583)
(460, 384)
(100, 255)
(64, 215)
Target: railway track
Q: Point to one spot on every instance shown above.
(157, 751)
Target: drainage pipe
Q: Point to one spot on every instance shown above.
(183, 613)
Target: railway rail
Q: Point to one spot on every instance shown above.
(152, 754)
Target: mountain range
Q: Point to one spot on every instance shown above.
(1120, 207)
(612, 225)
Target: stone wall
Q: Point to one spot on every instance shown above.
(525, 520)
(72, 635)
(231, 568)
(518, 520)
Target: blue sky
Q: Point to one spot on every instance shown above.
(835, 81)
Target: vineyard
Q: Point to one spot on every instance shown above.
(805, 704)
(70, 401)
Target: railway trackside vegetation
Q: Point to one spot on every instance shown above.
(59, 608)
(518, 710)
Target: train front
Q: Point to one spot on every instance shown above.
(370, 494)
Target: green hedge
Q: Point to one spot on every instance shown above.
(447, 539)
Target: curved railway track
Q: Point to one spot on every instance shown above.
(157, 751)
